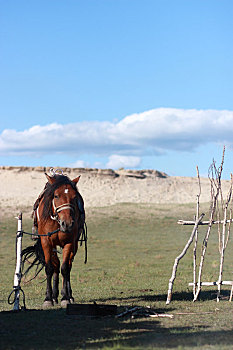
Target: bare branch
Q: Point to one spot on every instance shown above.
(173, 276)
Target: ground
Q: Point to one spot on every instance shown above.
(131, 251)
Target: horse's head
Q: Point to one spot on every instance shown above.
(64, 200)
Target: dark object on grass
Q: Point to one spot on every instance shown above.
(94, 309)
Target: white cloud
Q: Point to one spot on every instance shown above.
(118, 161)
(155, 131)
(80, 164)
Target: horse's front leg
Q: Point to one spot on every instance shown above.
(56, 264)
(66, 291)
(49, 270)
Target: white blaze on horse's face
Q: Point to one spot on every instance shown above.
(66, 190)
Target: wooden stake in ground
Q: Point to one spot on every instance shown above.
(173, 276)
(217, 209)
(215, 190)
(224, 241)
(196, 235)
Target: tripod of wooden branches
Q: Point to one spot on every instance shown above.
(219, 208)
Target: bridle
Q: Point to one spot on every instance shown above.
(61, 207)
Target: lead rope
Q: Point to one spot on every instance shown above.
(84, 239)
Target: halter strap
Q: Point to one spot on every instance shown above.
(60, 208)
(37, 214)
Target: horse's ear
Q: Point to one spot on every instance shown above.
(50, 179)
(76, 180)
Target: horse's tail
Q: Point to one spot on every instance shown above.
(34, 255)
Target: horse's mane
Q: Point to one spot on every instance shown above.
(49, 193)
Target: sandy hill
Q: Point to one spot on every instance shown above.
(20, 186)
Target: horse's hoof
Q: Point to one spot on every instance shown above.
(71, 300)
(47, 304)
(64, 303)
(55, 301)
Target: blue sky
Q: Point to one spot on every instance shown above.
(117, 83)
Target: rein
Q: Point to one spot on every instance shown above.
(49, 234)
(81, 239)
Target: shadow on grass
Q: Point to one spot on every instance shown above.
(177, 296)
(169, 338)
(53, 329)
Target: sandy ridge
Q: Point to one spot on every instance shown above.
(20, 186)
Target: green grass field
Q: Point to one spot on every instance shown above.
(131, 251)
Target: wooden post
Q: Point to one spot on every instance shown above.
(223, 241)
(222, 254)
(173, 276)
(196, 235)
(230, 299)
(205, 242)
(17, 276)
(224, 234)
(215, 191)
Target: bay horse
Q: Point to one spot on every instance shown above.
(60, 213)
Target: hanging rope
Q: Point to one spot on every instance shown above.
(49, 234)
(15, 290)
(82, 239)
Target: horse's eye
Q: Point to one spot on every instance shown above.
(56, 196)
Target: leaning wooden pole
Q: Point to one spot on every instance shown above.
(177, 259)
(205, 242)
(215, 187)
